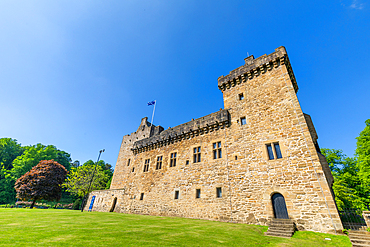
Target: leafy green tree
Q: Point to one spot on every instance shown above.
(348, 189)
(363, 155)
(34, 154)
(79, 179)
(9, 150)
(43, 181)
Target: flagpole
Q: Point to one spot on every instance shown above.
(155, 103)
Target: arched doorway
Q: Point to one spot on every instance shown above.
(279, 206)
(113, 204)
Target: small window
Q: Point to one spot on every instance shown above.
(197, 193)
(128, 162)
(217, 153)
(187, 162)
(218, 192)
(177, 194)
(159, 163)
(241, 96)
(133, 169)
(141, 196)
(173, 159)
(236, 157)
(273, 151)
(196, 155)
(146, 165)
(243, 121)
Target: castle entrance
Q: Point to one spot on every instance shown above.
(279, 206)
(113, 204)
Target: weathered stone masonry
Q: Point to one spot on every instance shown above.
(261, 110)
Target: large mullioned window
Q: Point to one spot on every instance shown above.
(196, 155)
(173, 158)
(159, 163)
(146, 165)
(217, 153)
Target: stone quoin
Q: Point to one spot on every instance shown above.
(255, 160)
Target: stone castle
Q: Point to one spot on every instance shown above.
(255, 160)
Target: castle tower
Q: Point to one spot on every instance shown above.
(255, 160)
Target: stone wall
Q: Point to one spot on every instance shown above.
(261, 108)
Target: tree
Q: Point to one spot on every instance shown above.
(79, 179)
(348, 189)
(34, 154)
(363, 155)
(42, 182)
(9, 150)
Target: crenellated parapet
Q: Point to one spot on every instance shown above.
(212, 122)
(256, 67)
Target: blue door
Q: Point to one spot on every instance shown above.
(278, 203)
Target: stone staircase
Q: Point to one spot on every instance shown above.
(359, 238)
(281, 228)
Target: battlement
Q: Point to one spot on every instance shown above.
(200, 126)
(255, 67)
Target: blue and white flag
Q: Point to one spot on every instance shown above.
(151, 103)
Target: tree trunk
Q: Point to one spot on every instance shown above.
(33, 203)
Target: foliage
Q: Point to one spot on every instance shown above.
(9, 150)
(79, 179)
(348, 189)
(363, 155)
(77, 204)
(23, 227)
(34, 154)
(42, 182)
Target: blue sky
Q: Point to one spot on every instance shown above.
(78, 74)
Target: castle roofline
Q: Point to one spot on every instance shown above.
(199, 126)
(254, 67)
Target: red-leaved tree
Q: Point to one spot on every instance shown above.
(42, 182)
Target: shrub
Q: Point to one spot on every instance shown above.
(76, 204)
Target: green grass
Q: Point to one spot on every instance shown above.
(50, 227)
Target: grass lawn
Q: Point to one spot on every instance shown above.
(51, 227)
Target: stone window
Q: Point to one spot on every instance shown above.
(217, 153)
(196, 155)
(128, 162)
(197, 193)
(159, 163)
(133, 169)
(218, 192)
(273, 151)
(177, 193)
(243, 121)
(141, 196)
(146, 165)
(173, 159)
(236, 157)
(187, 162)
(241, 96)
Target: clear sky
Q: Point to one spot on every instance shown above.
(79, 74)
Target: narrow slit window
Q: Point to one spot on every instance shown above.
(243, 121)
(218, 192)
(241, 96)
(128, 162)
(177, 193)
(196, 155)
(197, 193)
(217, 153)
(187, 162)
(141, 196)
(159, 163)
(173, 159)
(133, 169)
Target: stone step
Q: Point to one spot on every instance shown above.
(280, 231)
(279, 234)
(360, 241)
(281, 226)
(360, 245)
